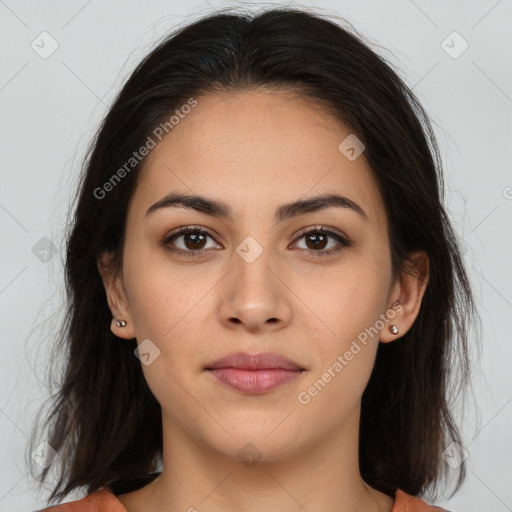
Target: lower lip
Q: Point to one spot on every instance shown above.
(254, 381)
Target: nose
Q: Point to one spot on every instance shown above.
(254, 296)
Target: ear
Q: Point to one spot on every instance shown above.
(408, 290)
(116, 296)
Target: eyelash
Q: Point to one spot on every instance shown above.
(191, 254)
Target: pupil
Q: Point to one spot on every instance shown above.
(317, 244)
(196, 239)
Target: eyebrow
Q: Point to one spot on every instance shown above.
(286, 211)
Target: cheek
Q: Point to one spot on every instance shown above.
(334, 393)
(170, 310)
(166, 298)
(343, 301)
(350, 309)
(346, 351)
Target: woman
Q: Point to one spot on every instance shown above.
(265, 290)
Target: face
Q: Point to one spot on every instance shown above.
(251, 282)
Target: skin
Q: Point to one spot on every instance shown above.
(241, 148)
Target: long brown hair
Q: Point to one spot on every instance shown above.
(104, 421)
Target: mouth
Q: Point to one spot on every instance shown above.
(254, 382)
(262, 361)
(254, 374)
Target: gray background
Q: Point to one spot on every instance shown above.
(50, 107)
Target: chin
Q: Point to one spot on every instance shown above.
(247, 446)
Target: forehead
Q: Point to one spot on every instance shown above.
(257, 149)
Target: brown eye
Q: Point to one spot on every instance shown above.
(193, 241)
(318, 239)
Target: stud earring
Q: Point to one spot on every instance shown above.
(121, 323)
(394, 329)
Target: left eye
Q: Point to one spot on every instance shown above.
(194, 241)
(317, 239)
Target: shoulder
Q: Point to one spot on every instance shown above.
(406, 503)
(103, 500)
(83, 504)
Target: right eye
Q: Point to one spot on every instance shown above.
(193, 240)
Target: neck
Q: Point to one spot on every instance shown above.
(323, 476)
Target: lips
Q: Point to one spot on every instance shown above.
(254, 374)
(262, 361)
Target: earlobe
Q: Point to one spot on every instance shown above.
(120, 327)
(121, 324)
(394, 329)
(391, 332)
(408, 292)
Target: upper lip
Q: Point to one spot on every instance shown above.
(245, 361)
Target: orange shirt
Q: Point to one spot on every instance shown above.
(104, 500)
